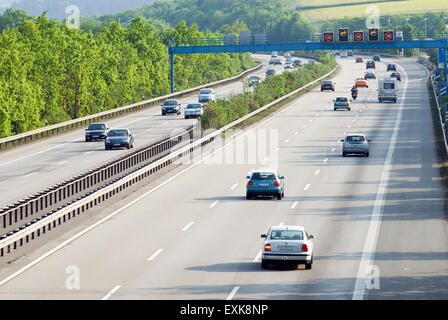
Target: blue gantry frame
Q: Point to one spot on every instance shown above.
(365, 45)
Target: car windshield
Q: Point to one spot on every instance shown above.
(389, 85)
(286, 235)
(205, 91)
(118, 133)
(355, 138)
(392, 66)
(97, 126)
(263, 176)
(170, 102)
(255, 77)
(327, 82)
(341, 99)
(193, 106)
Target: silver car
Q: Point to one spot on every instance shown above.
(355, 144)
(287, 245)
(206, 95)
(341, 103)
(193, 110)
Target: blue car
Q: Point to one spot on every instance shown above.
(265, 183)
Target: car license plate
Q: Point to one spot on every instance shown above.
(284, 258)
(286, 248)
(116, 144)
(263, 184)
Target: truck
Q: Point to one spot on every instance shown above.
(387, 89)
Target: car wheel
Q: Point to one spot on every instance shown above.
(163, 113)
(349, 109)
(334, 109)
(248, 196)
(279, 196)
(264, 264)
(283, 194)
(367, 154)
(309, 265)
(344, 154)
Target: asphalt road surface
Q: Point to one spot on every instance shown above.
(197, 237)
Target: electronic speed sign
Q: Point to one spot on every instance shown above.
(343, 34)
(358, 36)
(328, 37)
(373, 34)
(388, 36)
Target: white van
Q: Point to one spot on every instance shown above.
(387, 89)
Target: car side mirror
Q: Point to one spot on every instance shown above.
(282, 177)
(311, 236)
(342, 140)
(85, 129)
(247, 177)
(264, 236)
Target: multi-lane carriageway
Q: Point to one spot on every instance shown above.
(193, 235)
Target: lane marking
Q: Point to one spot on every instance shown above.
(332, 150)
(311, 120)
(62, 163)
(88, 152)
(257, 257)
(277, 149)
(377, 212)
(294, 205)
(281, 224)
(188, 226)
(287, 140)
(326, 159)
(234, 186)
(154, 255)
(115, 289)
(317, 172)
(296, 133)
(29, 174)
(232, 293)
(214, 204)
(307, 187)
(304, 126)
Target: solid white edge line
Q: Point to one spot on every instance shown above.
(115, 289)
(188, 226)
(232, 293)
(154, 255)
(377, 212)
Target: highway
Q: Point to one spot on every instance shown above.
(29, 168)
(197, 237)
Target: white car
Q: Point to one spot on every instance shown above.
(206, 95)
(193, 110)
(287, 245)
(343, 55)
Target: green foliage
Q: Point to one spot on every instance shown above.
(223, 111)
(50, 72)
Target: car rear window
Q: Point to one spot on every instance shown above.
(205, 91)
(355, 138)
(341, 99)
(286, 235)
(263, 176)
(327, 82)
(389, 85)
(193, 106)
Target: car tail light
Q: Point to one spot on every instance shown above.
(304, 248)
(277, 184)
(250, 183)
(363, 138)
(267, 247)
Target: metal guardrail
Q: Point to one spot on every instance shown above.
(50, 220)
(76, 123)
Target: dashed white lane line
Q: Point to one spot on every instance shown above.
(296, 133)
(214, 204)
(29, 174)
(115, 289)
(257, 257)
(188, 226)
(287, 140)
(294, 205)
(304, 126)
(234, 186)
(277, 149)
(265, 159)
(155, 255)
(62, 163)
(88, 152)
(326, 160)
(281, 224)
(232, 293)
(307, 187)
(311, 120)
(333, 150)
(317, 172)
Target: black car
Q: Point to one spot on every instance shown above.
(119, 138)
(350, 53)
(170, 106)
(395, 75)
(370, 65)
(391, 67)
(376, 58)
(270, 72)
(96, 131)
(327, 85)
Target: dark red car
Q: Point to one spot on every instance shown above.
(359, 60)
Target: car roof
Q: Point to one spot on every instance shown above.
(120, 129)
(287, 227)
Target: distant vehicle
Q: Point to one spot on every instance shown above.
(376, 58)
(387, 90)
(288, 65)
(193, 110)
(270, 72)
(206, 95)
(311, 61)
(396, 75)
(96, 131)
(360, 82)
(287, 245)
(369, 75)
(265, 182)
(350, 53)
(327, 85)
(338, 53)
(170, 106)
(355, 144)
(253, 80)
(359, 60)
(275, 61)
(287, 55)
(119, 138)
(391, 67)
(297, 62)
(370, 65)
(341, 103)
(343, 54)
(274, 54)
